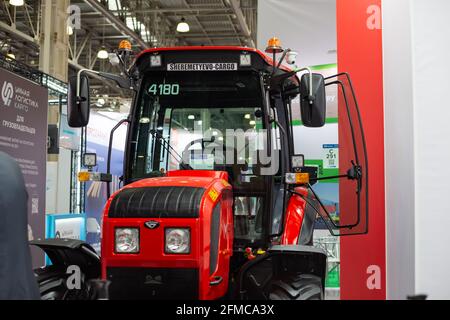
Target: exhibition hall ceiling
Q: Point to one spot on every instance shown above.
(308, 26)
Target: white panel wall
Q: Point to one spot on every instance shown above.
(51, 187)
(416, 54)
(431, 47)
(399, 148)
(310, 141)
(64, 175)
(58, 183)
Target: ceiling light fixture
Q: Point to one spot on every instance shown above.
(16, 3)
(101, 102)
(11, 55)
(69, 30)
(103, 54)
(183, 26)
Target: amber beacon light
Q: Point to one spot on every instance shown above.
(125, 45)
(274, 45)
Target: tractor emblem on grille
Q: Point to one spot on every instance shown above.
(152, 224)
(149, 279)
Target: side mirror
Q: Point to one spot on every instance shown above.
(313, 107)
(78, 106)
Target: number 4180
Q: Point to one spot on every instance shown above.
(164, 89)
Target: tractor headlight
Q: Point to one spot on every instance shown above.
(178, 241)
(127, 240)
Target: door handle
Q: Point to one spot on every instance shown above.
(216, 281)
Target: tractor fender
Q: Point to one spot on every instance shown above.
(316, 256)
(69, 252)
(257, 275)
(299, 220)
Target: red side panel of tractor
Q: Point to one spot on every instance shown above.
(295, 214)
(157, 273)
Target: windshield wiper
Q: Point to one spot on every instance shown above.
(166, 145)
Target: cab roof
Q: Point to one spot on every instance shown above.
(267, 59)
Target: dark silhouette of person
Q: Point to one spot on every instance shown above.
(17, 279)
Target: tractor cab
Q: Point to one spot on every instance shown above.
(205, 110)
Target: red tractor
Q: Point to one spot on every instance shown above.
(216, 202)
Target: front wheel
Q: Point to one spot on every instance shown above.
(297, 287)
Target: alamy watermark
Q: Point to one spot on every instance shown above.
(253, 150)
(74, 17)
(74, 278)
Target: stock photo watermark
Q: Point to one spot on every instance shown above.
(254, 149)
(74, 17)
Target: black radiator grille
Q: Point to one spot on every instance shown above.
(157, 202)
(153, 284)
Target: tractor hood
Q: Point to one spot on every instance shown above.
(178, 195)
(194, 206)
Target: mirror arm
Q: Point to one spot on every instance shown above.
(277, 80)
(354, 173)
(120, 81)
(123, 65)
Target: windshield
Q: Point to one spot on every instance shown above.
(202, 137)
(197, 115)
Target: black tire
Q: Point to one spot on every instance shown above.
(52, 285)
(297, 287)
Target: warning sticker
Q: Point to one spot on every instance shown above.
(211, 66)
(213, 194)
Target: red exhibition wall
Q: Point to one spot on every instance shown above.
(359, 34)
